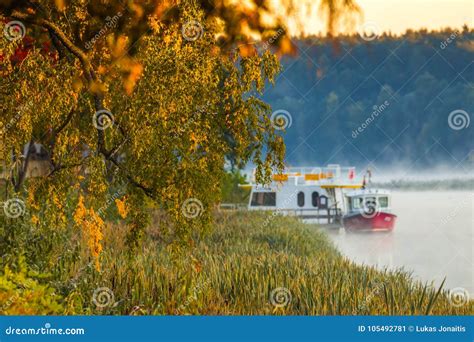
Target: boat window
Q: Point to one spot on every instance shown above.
(263, 199)
(323, 202)
(300, 199)
(357, 202)
(383, 202)
(315, 198)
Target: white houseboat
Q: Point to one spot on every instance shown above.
(328, 195)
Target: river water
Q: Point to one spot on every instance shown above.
(433, 238)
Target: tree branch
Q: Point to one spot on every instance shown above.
(56, 32)
(76, 51)
(24, 168)
(67, 43)
(149, 192)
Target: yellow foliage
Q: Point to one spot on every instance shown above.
(92, 225)
(31, 200)
(57, 201)
(287, 47)
(34, 219)
(138, 10)
(60, 4)
(122, 207)
(178, 107)
(77, 84)
(134, 70)
(102, 70)
(94, 230)
(97, 87)
(118, 47)
(155, 24)
(80, 212)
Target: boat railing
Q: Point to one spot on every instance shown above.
(325, 216)
(331, 174)
(330, 215)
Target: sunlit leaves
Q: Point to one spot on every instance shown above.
(180, 107)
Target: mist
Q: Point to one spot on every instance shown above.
(432, 239)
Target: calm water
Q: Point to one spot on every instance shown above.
(433, 238)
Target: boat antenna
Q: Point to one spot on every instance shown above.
(367, 179)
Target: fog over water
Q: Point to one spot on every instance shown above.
(408, 172)
(433, 238)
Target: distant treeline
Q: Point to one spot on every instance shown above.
(451, 184)
(380, 101)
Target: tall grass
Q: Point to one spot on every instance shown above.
(234, 270)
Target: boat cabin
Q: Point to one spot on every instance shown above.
(367, 200)
(369, 210)
(310, 193)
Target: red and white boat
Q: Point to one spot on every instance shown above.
(327, 196)
(368, 210)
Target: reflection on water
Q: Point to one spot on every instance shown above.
(433, 238)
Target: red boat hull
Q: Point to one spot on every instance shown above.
(379, 222)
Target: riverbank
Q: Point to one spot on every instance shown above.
(251, 264)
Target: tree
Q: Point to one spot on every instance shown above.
(135, 101)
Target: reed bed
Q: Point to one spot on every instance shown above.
(240, 269)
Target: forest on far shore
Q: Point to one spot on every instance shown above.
(405, 86)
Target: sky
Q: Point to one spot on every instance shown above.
(398, 15)
(395, 15)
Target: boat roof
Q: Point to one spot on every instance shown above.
(369, 191)
(330, 176)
